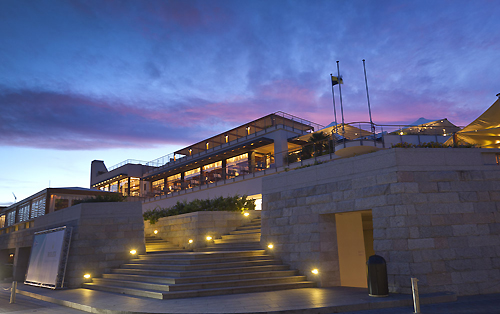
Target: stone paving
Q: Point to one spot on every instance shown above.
(477, 304)
(310, 300)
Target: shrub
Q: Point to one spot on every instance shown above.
(111, 197)
(230, 203)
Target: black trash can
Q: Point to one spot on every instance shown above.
(377, 276)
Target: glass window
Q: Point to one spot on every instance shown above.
(212, 172)
(237, 166)
(11, 218)
(158, 186)
(114, 187)
(123, 187)
(263, 161)
(61, 203)
(38, 207)
(23, 214)
(174, 183)
(2, 221)
(192, 178)
(135, 188)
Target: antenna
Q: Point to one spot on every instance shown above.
(14, 196)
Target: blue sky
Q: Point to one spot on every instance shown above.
(113, 80)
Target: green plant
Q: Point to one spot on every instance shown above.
(111, 197)
(230, 203)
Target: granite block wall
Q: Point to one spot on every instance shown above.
(196, 226)
(102, 236)
(435, 215)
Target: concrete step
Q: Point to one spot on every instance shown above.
(207, 260)
(194, 273)
(186, 280)
(189, 267)
(203, 255)
(199, 293)
(253, 235)
(198, 285)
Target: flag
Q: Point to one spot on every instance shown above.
(337, 80)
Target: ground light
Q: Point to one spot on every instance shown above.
(87, 278)
(209, 238)
(315, 271)
(133, 252)
(270, 246)
(190, 241)
(246, 214)
(155, 232)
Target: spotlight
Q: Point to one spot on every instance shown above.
(155, 232)
(315, 271)
(190, 241)
(270, 246)
(86, 276)
(209, 238)
(133, 252)
(246, 214)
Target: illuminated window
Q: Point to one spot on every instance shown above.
(158, 186)
(123, 187)
(192, 178)
(174, 183)
(2, 221)
(11, 218)
(237, 166)
(212, 172)
(135, 187)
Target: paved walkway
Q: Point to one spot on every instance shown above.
(310, 300)
(477, 304)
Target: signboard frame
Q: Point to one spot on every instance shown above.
(49, 257)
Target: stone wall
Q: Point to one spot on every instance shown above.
(197, 226)
(434, 211)
(102, 236)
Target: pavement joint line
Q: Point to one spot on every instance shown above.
(403, 301)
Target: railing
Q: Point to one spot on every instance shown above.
(128, 161)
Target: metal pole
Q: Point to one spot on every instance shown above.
(341, 106)
(368, 99)
(333, 98)
(414, 290)
(13, 292)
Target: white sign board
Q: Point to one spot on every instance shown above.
(45, 258)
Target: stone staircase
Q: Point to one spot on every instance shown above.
(231, 265)
(246, 237)
(156, 245)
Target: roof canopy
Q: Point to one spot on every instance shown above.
(484, 131)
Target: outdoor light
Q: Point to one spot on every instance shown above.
(190, 241)
(209, 238)
(11, 255)
(270, 246)
(86, 276)
(155, 232)
(133, 252)
(400, 133)
(246, 214)
(315, 271)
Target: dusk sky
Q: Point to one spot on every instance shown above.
(116, 80)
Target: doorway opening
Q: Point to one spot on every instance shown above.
(355, 246)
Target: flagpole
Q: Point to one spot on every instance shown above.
(341, 106)
(333, 98)
(368, 99)
(334, 111)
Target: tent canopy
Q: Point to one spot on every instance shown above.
(484, 131)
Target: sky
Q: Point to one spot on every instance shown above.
(115, 80)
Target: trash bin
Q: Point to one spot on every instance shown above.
(377, 276)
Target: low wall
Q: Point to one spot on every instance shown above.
(197, 226)
(103, 235)
(434, 214)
